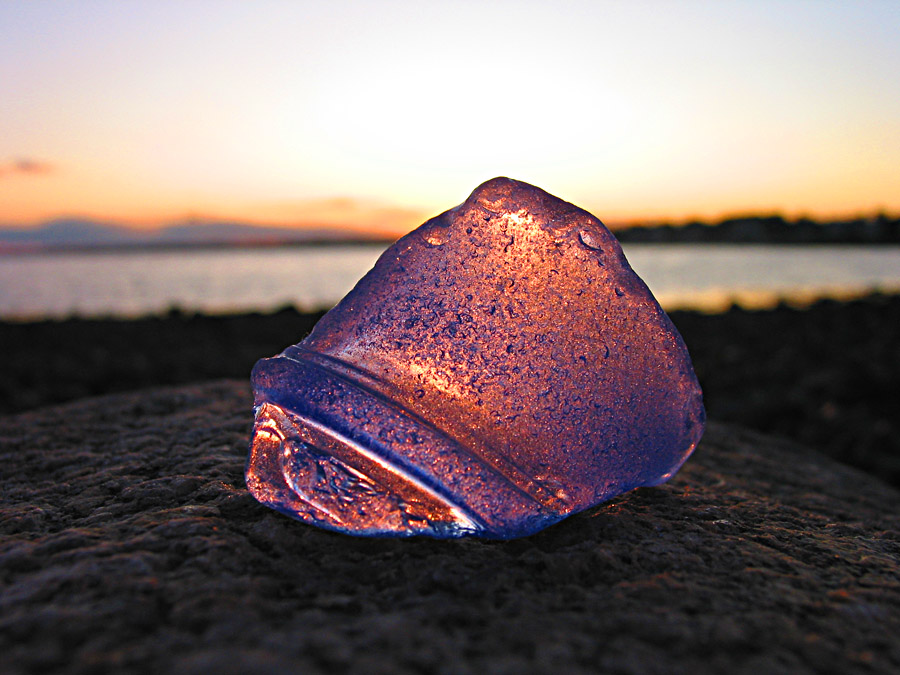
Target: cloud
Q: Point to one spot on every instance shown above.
(25, 165)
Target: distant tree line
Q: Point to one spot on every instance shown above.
(878, 229)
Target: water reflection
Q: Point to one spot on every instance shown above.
(708, 277)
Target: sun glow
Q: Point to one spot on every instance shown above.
(371, 115)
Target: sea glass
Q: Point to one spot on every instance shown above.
(500, 368)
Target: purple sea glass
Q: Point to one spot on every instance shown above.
(500, 368)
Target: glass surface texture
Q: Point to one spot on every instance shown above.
(500, 368)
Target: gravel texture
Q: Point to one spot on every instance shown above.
(129, 543)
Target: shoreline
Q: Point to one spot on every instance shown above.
(825, 376)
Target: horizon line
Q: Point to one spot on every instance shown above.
(618, 223)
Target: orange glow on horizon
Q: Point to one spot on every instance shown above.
(378, 117)
(29, 200)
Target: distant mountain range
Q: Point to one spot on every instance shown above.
(81, 234)
(75, 233)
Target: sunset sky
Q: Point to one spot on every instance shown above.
(379, 114)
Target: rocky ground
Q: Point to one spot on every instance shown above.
(827, 376)
(128, 543)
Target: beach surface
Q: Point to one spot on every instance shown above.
(827, 376)
(130, 544)
(128, 541)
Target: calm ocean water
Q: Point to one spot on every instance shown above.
(130, 284)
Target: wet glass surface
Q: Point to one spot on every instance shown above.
(500, 368)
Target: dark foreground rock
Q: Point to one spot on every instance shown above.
(130, 543)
